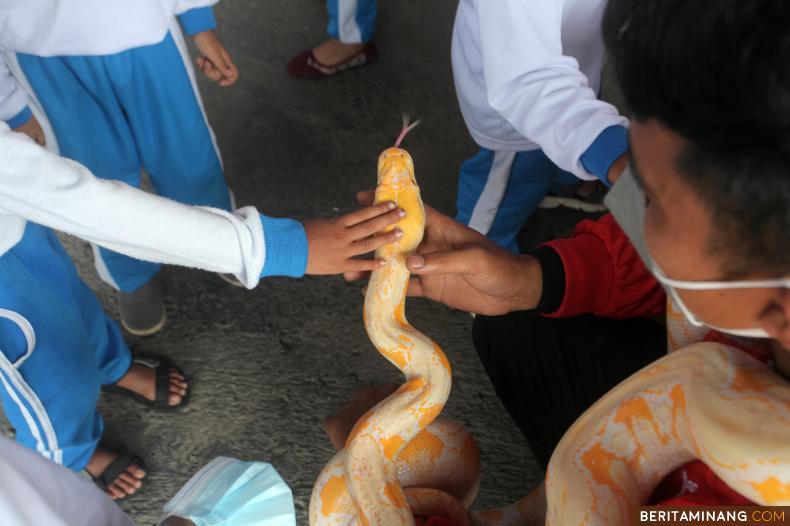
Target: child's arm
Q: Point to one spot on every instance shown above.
(542, 93)
(42, 187)
(14, 108)
(198, 21)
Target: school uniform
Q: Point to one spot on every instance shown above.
(113, 85)
(351, 21)
(34, 491)
(57, 346)
(527, 75)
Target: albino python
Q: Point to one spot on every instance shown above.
(707, 402)
(397, 444)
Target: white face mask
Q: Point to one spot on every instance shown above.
(671, 285)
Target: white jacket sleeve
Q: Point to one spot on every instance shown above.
(537, 89)
(183, 6)
(35, 490)
(42, 187)
(13, 98)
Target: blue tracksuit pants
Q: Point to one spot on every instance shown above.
(498, 191)
(351, 21)
(119, 114)
(57, 348)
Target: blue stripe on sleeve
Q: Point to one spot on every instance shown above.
(286, 247)
(20, 118)
(198, 20)
(609, 146)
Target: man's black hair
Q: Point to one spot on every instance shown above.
(717, 73)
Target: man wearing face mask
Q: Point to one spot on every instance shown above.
(698, 231)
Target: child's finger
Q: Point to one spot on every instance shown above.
(366, 197)
(377, 224)
(354, 276)
(361, 266)
(231, 71)
(208, 69)
(363, 214)
(371, 243)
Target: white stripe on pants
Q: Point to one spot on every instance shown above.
(487, 206)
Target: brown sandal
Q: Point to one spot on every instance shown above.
(306, 66)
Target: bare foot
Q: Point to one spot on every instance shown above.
(142, 380)
(127, 482)
(339, 425)
(332, 51)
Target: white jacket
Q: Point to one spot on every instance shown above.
(80, 27)
(39, 186)
(527, 74)
(35, 490)
(86, 27)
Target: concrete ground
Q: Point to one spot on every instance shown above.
(267, 365)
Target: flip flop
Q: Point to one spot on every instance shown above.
(116, 468)
(306, 66)
(162, 369)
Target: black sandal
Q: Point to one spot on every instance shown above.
(162, 368)
(117, 467)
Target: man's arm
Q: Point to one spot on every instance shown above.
(542, 93)
(595, 271)
(598, 271)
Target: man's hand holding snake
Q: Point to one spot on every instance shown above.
(459, 267)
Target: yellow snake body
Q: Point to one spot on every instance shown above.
(397, 444)
(706, 401)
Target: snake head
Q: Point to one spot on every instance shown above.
(398, 184)
(396, 169)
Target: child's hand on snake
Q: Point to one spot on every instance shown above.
(334, 243)
(459, 267)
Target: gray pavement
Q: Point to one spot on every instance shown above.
(267, 365)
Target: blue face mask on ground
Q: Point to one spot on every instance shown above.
(229, 492)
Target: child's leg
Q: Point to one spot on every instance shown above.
(91, 128)
(351, 21)
(498, 191)
(110, 351)
(157, 90)
(50, 375)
